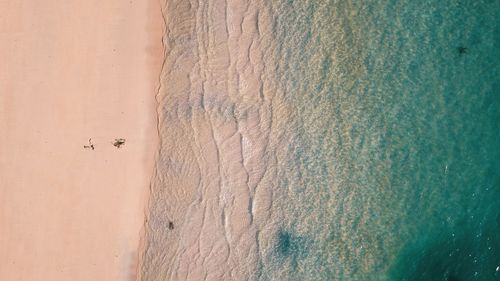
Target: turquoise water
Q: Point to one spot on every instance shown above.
(390, 170)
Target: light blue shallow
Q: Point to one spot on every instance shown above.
(392, 155)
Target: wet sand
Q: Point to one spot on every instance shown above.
(216, 167)
(71, 71)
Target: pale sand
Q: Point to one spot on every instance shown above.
(70, 71)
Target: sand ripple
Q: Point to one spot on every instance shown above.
(214, 174)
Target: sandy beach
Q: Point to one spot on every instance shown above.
(70, 208)
(217, 140)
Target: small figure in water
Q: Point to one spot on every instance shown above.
(170, 225)
(462, 50)
(119, 142)
(91, 145)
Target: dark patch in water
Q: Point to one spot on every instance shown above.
(285, 246)
(291, 247)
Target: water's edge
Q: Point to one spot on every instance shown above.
(327, 141)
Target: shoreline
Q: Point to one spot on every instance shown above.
(212, 190)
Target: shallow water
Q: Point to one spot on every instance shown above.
(374, 150)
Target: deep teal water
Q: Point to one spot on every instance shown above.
(391, 166)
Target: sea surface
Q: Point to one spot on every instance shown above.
(387, 161)
(392, 164)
